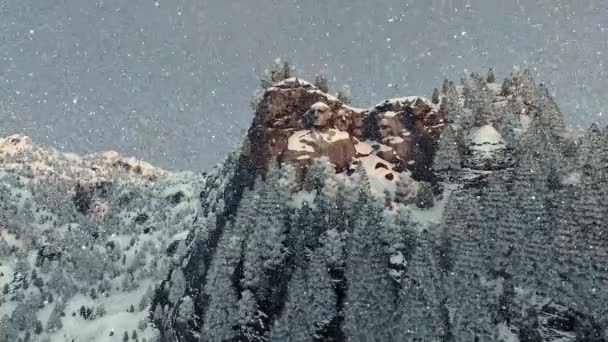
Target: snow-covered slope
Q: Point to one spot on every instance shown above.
(84, 241)
(19, 155)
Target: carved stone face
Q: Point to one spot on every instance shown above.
(384, 128)
(342, 121)
(321, 113)
(357, 124)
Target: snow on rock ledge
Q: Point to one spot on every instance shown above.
(295, 122)
(19, 155)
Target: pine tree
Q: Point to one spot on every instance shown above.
(447, 158)
(466, 234)
(435, 96)
(8, 332)
(320, 171)
(529, 332)
(321, 289)
(424, 196)
(369, 304)
(456, 114)
(398, 237)
(264, 251)
(302, 236)
(476, 93)
(279, 71)
(565, 247)
(38, 327)
(485, 115)
(221, 312)
(472, 318)
(491, 78)
(405, 192)
(531, 193)
(321, 83)
(310, 304)
(295, 324)
(345, 95)
(54, 322)
(419, 306)
(251, 321)
(549, 113)
(501, 234)
(506, 87)
(588, 246)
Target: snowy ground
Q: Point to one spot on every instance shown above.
(124, 244)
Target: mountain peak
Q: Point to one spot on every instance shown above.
(296, 122)
(18, 154)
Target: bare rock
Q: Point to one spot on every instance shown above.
(297, 122)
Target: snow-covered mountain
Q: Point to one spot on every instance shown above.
(455, 218)
(84, 240)
(429, 220)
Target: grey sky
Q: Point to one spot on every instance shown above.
(170, 81)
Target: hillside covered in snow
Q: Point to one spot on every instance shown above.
(84, 241)
(473, 215)
(459, 218)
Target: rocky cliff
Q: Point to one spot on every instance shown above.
(333, 261)
(296, 122)
(93, 247)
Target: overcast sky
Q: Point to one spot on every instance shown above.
(170, 81)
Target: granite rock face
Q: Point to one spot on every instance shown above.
(295, 122)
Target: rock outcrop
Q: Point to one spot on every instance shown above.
(19, 155)
(296, 122)
(89, 178)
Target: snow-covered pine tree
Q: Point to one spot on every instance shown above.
(537, 157)
(425, 198)
(54, 323)
(264, 251)
(419, 300)
(8, 331)
(564, 245)
(462, 118)
(485, 114)
(345, 95)
(447, 159)
(405, 192)
(588, 149)
(476, 93)
(435, 97)
(399, 238)
(445, 86)
(491, 78)
(588, 247)
(321, 83)
(220, 316)
(251, 320)
(464, 262)
(550, 115)
(279, 70)
(505, 89)
(508, 121)
(472, 305)
(311, 303)
(301, 238)
(501, 234)
(370, 298)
